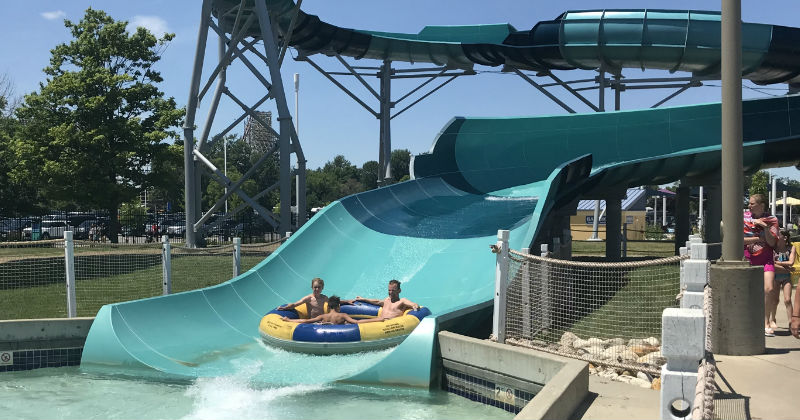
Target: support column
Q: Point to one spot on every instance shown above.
(385, 118)
(613, 228)
(284, 117)
(682, 224)
(188, 126)
(711, 224)
(738, 291)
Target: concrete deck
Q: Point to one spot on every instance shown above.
(750, 387)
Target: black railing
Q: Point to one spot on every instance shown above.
(133, 228)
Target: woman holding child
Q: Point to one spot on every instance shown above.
(761, 238)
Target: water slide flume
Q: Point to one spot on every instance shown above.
(481, 174)
(338, 339)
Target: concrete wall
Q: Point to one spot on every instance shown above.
(35, 334)
(560, 384)
(36, 343)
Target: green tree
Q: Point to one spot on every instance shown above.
(133, 216)
(96, 125)
(369, 174)
(16, 196)
(341, 169)
(759, 183)
(400, 161)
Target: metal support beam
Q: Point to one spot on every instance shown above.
(569, 88)
(188, 124)
(543, 90)
(341, 86)
(233, 47)
(385, 118)
(284, 117)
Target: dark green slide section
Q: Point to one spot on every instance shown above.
(674, 40)
(432, 233)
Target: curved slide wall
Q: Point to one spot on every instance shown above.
(433, 232)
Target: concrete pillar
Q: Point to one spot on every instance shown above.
(712, 223)
(737, 315)
(682, 224)
(613, 228)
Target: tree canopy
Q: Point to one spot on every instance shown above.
(93, 135)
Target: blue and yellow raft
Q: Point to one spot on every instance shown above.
(338, 339)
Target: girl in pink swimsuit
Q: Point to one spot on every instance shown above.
(761, 237)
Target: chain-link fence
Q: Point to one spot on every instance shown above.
(32, 280)
(110, 274)
(608, 314)
(33, 277)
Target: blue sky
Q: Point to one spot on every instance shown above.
(330, 122)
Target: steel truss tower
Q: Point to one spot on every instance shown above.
(240, 26)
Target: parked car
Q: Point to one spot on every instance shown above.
(11, 229)
(175, 228)
(49, 229)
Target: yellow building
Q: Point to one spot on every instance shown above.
(633, 214)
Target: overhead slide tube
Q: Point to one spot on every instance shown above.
(673, 40)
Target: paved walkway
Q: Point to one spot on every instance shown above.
(750, 387)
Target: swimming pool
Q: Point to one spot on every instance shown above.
(267, 384)
(68, 393)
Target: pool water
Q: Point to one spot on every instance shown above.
(70, 393)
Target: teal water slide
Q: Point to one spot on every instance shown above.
(481, 175)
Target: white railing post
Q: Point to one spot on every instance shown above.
(683, 334)
(166, 265)
(237, 256)
(500, 285)
(69, 267)
(526, 297)
(694, 276)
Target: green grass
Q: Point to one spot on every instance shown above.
(635, 249)
(34, 286)
(610, 303)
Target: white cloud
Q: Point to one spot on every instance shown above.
(56, 14)
(154, 24)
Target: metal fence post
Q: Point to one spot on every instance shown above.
(166, 265)
(500, 285)
(237, 256)
(557, 247)
(69, 266)
(526, 296)
(624, 240)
